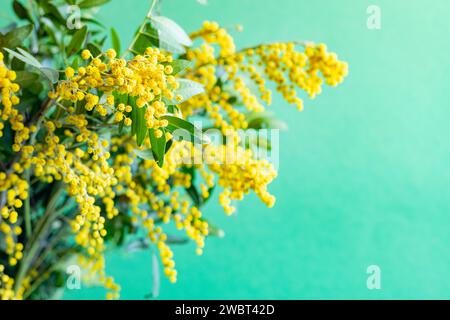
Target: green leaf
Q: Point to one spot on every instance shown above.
(141, 128)
(145, 154)
(155, 276)
(50, 74)
(115, 40)
(158, 146)
(102, 41)
(24, 56)
(27, 58)
(252, 141)
(75, 63)
(194, 195)
(91, 3)
(77, 41)
(264, 120)
(176, 123)
(180, 65)
(214, 230)
(148, 37)
(171, 31)
(118, 99)
(21, 12)
(52, 13)
(15, 37)
(17, 64)
(168, 145)
(26, 78)
(93, 21)
(138, 124)
(187, 89)
(176, 240)
(94, 49)
(48, 29)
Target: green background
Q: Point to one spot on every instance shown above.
(364, 171)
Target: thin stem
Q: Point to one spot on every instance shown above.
(34, 242)
(62, 232)
(299, 43)
(151, 8)
(27, 210)
(45, 274)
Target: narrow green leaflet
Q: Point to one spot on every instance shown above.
(86, 4)
(194, 195)
(168, 145)
(115, 40)
(214, 230)
(28, 59)
(171, 31)
(15, 37)
(176, 123)
(158, 146)
(144, 154)
(160, 32)
(180, 65)
(21, 12)
(145, 37)
(51, 74)
(188, 89)
(52, 13)
(141, 126)
(259, 142)
(264, 120)
(156, 277)
(132, 103)
(138, 124)
(94, 49)
(171, 239)
(26, 78)
(77, 41)
(93, 21)
(75, 63)
(120, 98)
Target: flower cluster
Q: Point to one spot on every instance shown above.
(230, 76)
(146, 78)
(88, 175)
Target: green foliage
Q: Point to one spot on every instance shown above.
(86, 4)
(43, 48)
(160, 32)
(15, 37)
(115, 40)
(176, 123)
(158, 146)
(265, 120)
(21, 12)
(180, 65)
(51, 74)
(77, 41)
(187, 90)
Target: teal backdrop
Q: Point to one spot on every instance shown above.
(364, 172)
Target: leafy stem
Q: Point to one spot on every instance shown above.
(34, 242)
(141, 29)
